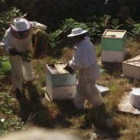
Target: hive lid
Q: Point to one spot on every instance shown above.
(135, 91)
(135, 61)
(56, 68)
(109, 33)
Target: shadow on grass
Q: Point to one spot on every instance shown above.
(102, 122)
(62, 114)
(99, 119)
(67, 108)
(32, 110)
(112, 67)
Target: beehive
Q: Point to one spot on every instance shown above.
(113, 56)
(59, 83)
(113, 40)
(131, 67)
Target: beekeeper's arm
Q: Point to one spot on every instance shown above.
(38, 26)
(76, 62)
(5, 43)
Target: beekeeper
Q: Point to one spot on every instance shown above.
(17, 43)
(84, 60)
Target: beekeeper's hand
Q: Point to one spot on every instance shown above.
(13, 51)
(66, 67)
(69, 69)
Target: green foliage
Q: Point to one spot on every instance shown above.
(6, 17)
(5, 67)
(69, 24)
(136, 29)
(115, 24)
(54, 38)
(26, 56)
(60, 35)
(102, 21)
(58, 39)
(95, 25)
(8, 122)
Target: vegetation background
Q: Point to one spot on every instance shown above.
(61, 17)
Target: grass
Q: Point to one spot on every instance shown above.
(105, 123)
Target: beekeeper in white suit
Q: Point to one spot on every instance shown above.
(17, 43)
(84, 60)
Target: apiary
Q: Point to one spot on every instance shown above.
(113, 56)
(113, 40)
(131, 67)
(59, 83)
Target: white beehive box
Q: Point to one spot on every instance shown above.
(62, 92)
(59, 83)
(131, 67)
(113, 56)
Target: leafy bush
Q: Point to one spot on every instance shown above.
(136, 29)
(8, 121)
(5, 67)
(95, 25)
(58, 39)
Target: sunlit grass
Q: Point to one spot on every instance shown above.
(112, 78)
(106, 120)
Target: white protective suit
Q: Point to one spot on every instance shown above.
(20, 68)
(84, 60)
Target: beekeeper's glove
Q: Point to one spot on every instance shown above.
(69, 69)
(13, 51)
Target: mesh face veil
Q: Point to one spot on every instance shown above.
(20, 28)
(20, 34)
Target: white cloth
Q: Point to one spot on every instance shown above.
(84, 55)
(21, 44)
(17, 65)
(84, 60)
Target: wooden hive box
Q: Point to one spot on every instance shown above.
(59, 83)
(131, 67)
(113, 56)
(113, 40)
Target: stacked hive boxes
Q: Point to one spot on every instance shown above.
(113, 44)
(59, 83)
